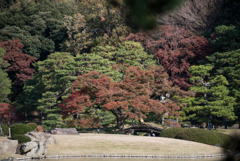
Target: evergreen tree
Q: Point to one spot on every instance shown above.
(5, 82)
(129, 52)
(227, 64)
(212, 102)
(38, 24)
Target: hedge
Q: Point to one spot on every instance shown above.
(224, 139)
(199, 135)
(170, 132)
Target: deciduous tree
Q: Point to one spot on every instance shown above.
(176, 49)
(19, 69)
(129, 99)
(7, 113)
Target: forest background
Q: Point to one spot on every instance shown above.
(94, 63)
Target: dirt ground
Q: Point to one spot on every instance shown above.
(86, 144)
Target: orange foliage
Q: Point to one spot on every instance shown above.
(134, 97)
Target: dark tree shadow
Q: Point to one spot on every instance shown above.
(232, 148)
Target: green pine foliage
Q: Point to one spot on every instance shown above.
(227, 64)
(212, 101)
(39, 25)
(226, 38)
(5, 82)
(53, 121)
(129, 52)
(90, 62)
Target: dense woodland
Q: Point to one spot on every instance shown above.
(95, 63)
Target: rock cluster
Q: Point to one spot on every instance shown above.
(37, 147)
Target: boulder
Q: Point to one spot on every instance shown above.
(41, 137)
(64, 131)
(33, 149)
(8, 146)
(37, 148)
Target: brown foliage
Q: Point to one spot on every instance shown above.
(175, 49)
(18, 64)
(132, 98)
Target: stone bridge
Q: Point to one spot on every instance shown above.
(150, 130)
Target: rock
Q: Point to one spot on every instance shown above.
(41, 137)
(64, 131)
(8, 146)
(33, 149)
(37, 148)
(9, 159)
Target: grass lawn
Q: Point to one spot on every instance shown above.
(86, 144)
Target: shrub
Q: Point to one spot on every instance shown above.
(199, 135)
(21, 138)
(5, 129)
(20, 128)
(224, 139)
(32, 125)
(170, 132)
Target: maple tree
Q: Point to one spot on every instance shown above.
(7, 112)
(18, 64)
(130, 98)
(176, 49)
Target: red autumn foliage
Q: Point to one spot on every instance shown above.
(18, 63)
(39, 128)
(132, 98)
(7, 112)
(175, 48)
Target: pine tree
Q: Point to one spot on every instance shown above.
(5, 82)
(212, 102)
